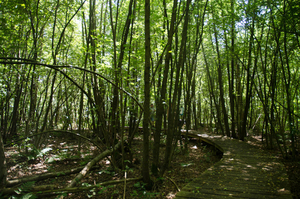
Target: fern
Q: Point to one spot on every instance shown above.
(28, 196)
(26, 187)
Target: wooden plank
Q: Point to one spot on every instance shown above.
(224, 194)
(205, 140)
(243, 172)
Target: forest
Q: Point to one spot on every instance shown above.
(104, 74)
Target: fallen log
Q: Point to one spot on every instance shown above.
(86, 169)
(11, 191)
(40, 177)
(54, 189)
(78, 189)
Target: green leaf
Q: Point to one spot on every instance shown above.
(28, 196)
(186, 164)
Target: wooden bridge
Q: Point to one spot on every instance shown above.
(244, 172)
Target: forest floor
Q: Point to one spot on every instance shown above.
(62, 154)
(293, 170)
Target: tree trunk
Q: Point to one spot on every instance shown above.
(221, 86)
(145, 163)
(174, 107)
(3, 169)
(162, 98)
(231, 78)
(249, 84)
(212, 94)
(287, 81)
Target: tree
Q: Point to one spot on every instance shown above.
(162, 98)
(232, 65)
(145, 164)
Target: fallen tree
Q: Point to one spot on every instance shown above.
(77, 179)
(39, 177)
(56, 190)
(88, 167)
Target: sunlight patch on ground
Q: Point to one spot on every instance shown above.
(171, 195)
(283, 191)
(62, 143)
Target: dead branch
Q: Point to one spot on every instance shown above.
(177, 188)
(86, 169)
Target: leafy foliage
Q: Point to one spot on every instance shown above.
(22, 190)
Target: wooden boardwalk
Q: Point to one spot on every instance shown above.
(243, 172)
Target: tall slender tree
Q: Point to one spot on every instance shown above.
(145, 164)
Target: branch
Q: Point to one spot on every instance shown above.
(177, 188)
(86, 169)
(56, 67)
(298, 116)
(57, 131)
(63, 32)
